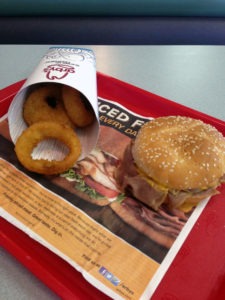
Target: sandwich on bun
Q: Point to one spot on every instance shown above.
(174, 161)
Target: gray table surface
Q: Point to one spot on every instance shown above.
(190, 75)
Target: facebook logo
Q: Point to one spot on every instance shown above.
(109, 276)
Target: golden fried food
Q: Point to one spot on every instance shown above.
(44, 104)
(40, 131)
(77, 107)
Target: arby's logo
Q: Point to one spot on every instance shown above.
(58, 71)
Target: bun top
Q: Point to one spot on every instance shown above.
(180, 153)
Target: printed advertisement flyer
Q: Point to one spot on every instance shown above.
(121, 246)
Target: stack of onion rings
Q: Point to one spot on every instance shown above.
(51, 111)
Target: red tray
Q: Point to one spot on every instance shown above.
(198, 270)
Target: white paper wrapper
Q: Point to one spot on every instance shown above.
(74, 67)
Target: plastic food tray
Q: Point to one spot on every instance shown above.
(197, 271)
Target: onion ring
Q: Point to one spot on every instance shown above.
(44, 104)
(77, 107)
(39, 131)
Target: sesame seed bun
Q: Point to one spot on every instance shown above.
(180, 153)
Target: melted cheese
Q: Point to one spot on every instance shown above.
(185, 207)
(151, 182)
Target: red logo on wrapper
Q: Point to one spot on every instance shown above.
(58, 71)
